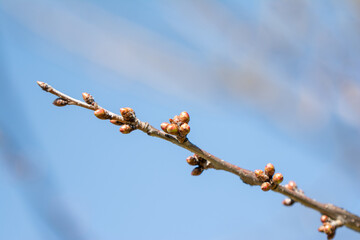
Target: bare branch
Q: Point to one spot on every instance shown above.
(339, 215)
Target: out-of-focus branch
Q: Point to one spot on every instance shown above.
(268, 180)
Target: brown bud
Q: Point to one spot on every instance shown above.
(184, 129)
(265, 186)
(321, 228)
(328, 228)
(324, 218)
(44, 86)
(269, 169)
(258, 173)
(128, 114)
(60, 102)
(88, 98)
(192, 161)
(125, 129)
(101, 114)
(278, 178)
(292, 185)
(172, 128)
(184, 117)
(288, 202)
(164, 126)
(197, 171)
(116, 122)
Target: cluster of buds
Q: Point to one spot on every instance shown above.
(292, 186)
(129, 115)
(200, 162)
(269, 178)
(329, 226)
(178, 126)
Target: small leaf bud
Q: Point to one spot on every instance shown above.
(88, 98)
(197, 171)
(292, 185)
(172, 128)
(258, 173)
(288, 202)
(192, 161)
(60, 102)
(184, 129)
(324, 218)
(101, 114)
(116, 122)
(184, 117)
(125, 129)
(278, 178)
(164, 126)
(266, 186)
(269, 170)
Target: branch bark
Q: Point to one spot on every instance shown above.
(342, 216)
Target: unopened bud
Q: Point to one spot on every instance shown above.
(324, 218)
(331, 236)
(261, 176)
(175, 119)
(321, 228)
(88, 98)
(192, 161)
(269, 169)
(125, 129)
(266, 186)
(292, 185)
(197, 171)
(60, 102)
(184, 129)
(258, 172)
(278, 178)
(164, 126)
(116, 122)
(184, 117)
(288, 202)
(128, 114)
(44, 86)
(328, 228)
(101, 114)
(172, 128)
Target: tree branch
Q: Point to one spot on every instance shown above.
(340, 216)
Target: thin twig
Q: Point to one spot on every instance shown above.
(342, 216)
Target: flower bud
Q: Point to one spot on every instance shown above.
(164, 126)
(328, 228)
(128, 114)
(197, 171)
(125, 129)
(288, 202)
(265, 186)
(175, 119)
(184, 117)
(331, 236)
(184, 129)
(192, 161)
(116, 122)
(101, 114)
(321, 228)
(172, 128)
(60, 102)
(269, 170)
(292, 185)
(324, 218)
(278, 178)
(88, 98)
(258, 173)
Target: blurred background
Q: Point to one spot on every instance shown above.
(263, 81)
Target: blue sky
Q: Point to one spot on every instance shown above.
(166, 58)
